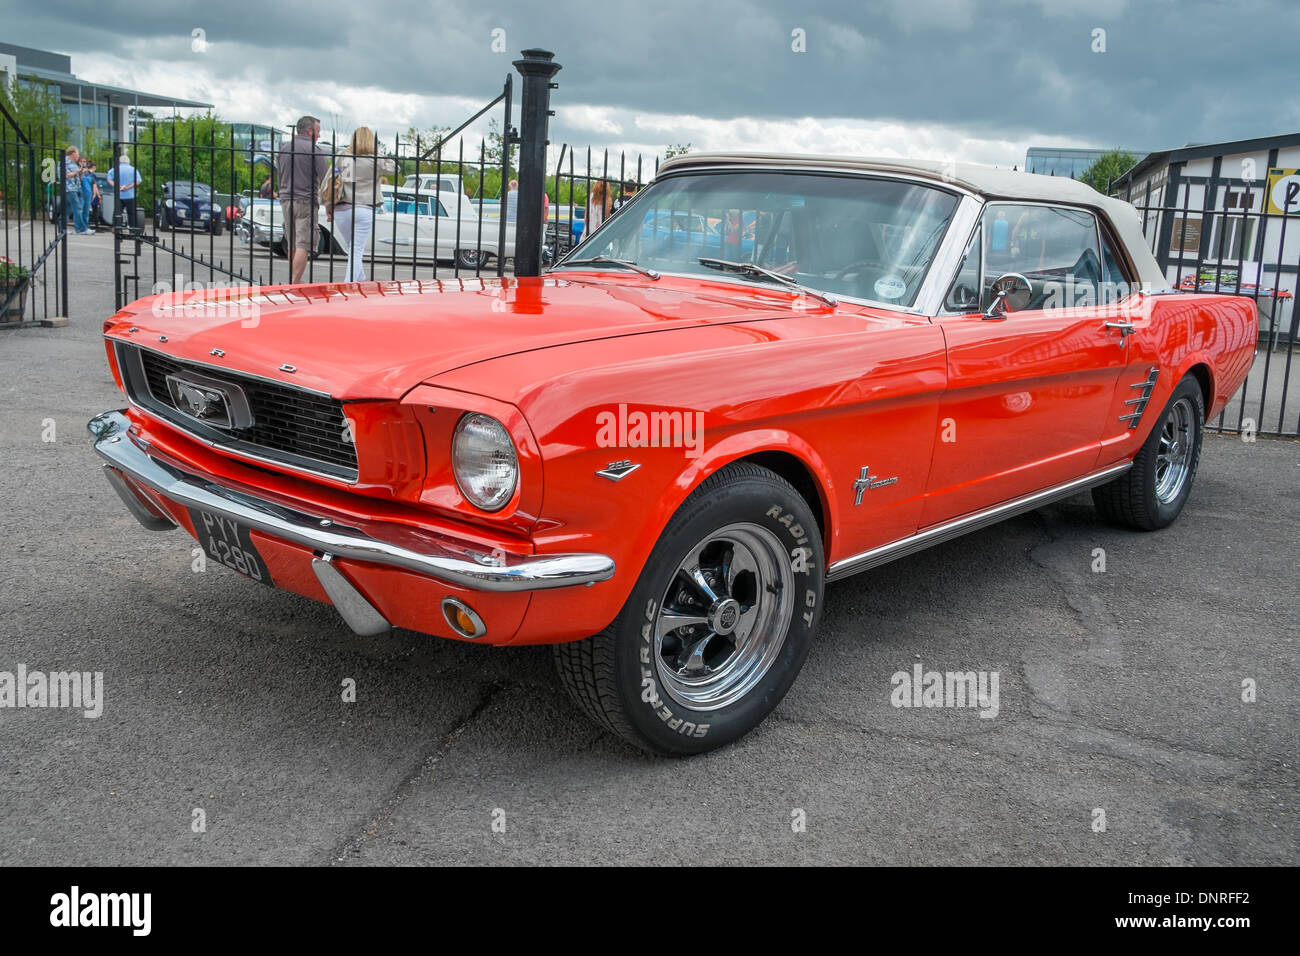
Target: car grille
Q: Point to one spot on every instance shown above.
(290, 425)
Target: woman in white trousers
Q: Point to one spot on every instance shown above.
(361, 173)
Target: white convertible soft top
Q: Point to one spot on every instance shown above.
(986, 181)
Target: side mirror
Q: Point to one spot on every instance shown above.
(1011, 293)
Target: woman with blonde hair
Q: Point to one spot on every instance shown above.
(360, 172)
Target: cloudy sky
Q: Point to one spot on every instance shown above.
(972, 80)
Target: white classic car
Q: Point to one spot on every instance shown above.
(424, 226)
(262, 223)
(434, 182)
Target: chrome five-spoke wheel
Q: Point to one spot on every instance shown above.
(724, 617)
(719, 621)
(1175, 452)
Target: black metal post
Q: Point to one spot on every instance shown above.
(537, 67)
(119, 219)
(507, 143)
(61, 158)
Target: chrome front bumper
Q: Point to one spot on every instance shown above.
(424, 552)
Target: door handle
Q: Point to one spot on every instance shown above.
(1125, 329)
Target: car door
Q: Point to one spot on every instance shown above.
(394, 233)
(1028, 391)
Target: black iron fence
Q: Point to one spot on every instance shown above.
(586, 187)
(34, 212)
(210, 210)
(1230, 242)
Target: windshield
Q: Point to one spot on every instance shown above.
(865, 238)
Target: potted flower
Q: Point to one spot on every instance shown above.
(15, 280)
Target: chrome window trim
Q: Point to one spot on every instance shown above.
(979, 225)
(948, 259)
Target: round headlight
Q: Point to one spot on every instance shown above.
(483, 459)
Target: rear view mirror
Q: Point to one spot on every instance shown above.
(1011, 293)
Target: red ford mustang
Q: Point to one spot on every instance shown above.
(763, 374)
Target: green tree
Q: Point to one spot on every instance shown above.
(1107, 167)
(676, 149)
(37, 109)
(199, 148)
(26, 170)
(495, 153)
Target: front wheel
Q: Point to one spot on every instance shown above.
(718, 624)
(1151, 494)
(470, 258)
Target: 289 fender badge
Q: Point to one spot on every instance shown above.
(618, 470)
(866, 481)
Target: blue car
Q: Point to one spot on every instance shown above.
(188, 205)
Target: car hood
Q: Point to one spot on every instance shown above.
(381, 339)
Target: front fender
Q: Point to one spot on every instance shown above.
(626, 517)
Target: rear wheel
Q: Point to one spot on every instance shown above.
(1151, 494)
(718, 624)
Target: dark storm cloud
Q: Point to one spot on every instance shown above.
(1171, 73)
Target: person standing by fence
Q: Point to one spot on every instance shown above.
(597, 206)
(512, 201)
(300, 170)
(76, 198)
(125, 178)
(360, 172)
(89, 192)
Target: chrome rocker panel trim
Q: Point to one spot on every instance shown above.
(972, 522)
(437, 556)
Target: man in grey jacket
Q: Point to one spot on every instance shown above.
(300, 169)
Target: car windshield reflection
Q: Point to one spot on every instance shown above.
(864, 238)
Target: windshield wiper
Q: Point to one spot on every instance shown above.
(749, 269)
(609, 261)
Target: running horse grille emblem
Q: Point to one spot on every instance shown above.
(208, 400)
(1139, 403)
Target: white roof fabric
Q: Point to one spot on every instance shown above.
(986, 181)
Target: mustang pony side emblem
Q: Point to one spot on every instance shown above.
(866, 481)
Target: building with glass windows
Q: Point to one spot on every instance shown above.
(1064, 161)
(100, 109)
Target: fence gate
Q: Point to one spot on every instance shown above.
(34, 257)
(203, 219)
